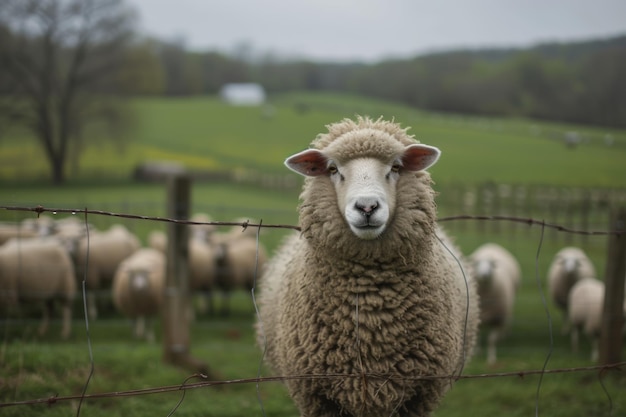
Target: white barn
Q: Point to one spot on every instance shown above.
(243, 94)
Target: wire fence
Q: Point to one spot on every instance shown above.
(199, 380)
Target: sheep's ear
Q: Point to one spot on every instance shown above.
(310, 163)
(419, 157)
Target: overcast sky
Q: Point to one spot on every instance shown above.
(370, 30)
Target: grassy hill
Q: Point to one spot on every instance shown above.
(206, 134)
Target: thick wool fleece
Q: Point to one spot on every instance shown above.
(368, 318)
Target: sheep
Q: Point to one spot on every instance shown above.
(203, 264)
(201, 231)
(72, 228)
(498, 276)
(224, 261)
(42, 225)
(372, 295)
(157, 239)
(97, 255)
(240, 259)
(38, 270)
(15, 230)
(569, 265)
(586, 303)
(138, 288)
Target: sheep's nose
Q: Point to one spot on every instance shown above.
(366, 206)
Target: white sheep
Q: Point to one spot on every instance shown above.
(97, 256)
(138, 289)
(42, 225)
(204, 258)
(38, 270)
(202, 232)
(569, 265)
(368, 299)
(586, 304)
(72, 228)
(203, 263)
(498, 276)
(157, 239)
(15, 230)
(241, 258)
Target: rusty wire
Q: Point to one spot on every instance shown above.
(524, 220)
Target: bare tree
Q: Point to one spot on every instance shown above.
(62, 69)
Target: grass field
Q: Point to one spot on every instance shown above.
(204, 134)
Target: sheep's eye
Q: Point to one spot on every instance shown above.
(332, 169)
(396, 168)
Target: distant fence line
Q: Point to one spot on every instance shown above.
(575, 208)
(156, 171)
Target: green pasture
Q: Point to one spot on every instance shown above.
(205, 134)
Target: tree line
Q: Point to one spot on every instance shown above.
(578, 82)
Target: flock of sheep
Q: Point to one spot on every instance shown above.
(371, 290)
(45, 261)
(573, 287)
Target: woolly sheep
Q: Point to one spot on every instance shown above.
(201, 231)
(72, 228)
(242, 258)
(223, 261)
(15, 230)
(569, 265)
(203, 264)
(38, 270)
(157, 239)
(586, 301)
(138, 287)
(42, 225)
(498, 275)
(97, 256)
(368, 289)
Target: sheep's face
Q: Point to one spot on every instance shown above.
(483, 269)
(365, 186)
(570, 264)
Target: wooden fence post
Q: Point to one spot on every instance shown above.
(176, 302)
(613, 309)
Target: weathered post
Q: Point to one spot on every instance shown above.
(613, 313)
(176, 302)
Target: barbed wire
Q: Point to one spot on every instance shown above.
(524, 220)
(530, 222)
(40, 209)
(601, 369)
